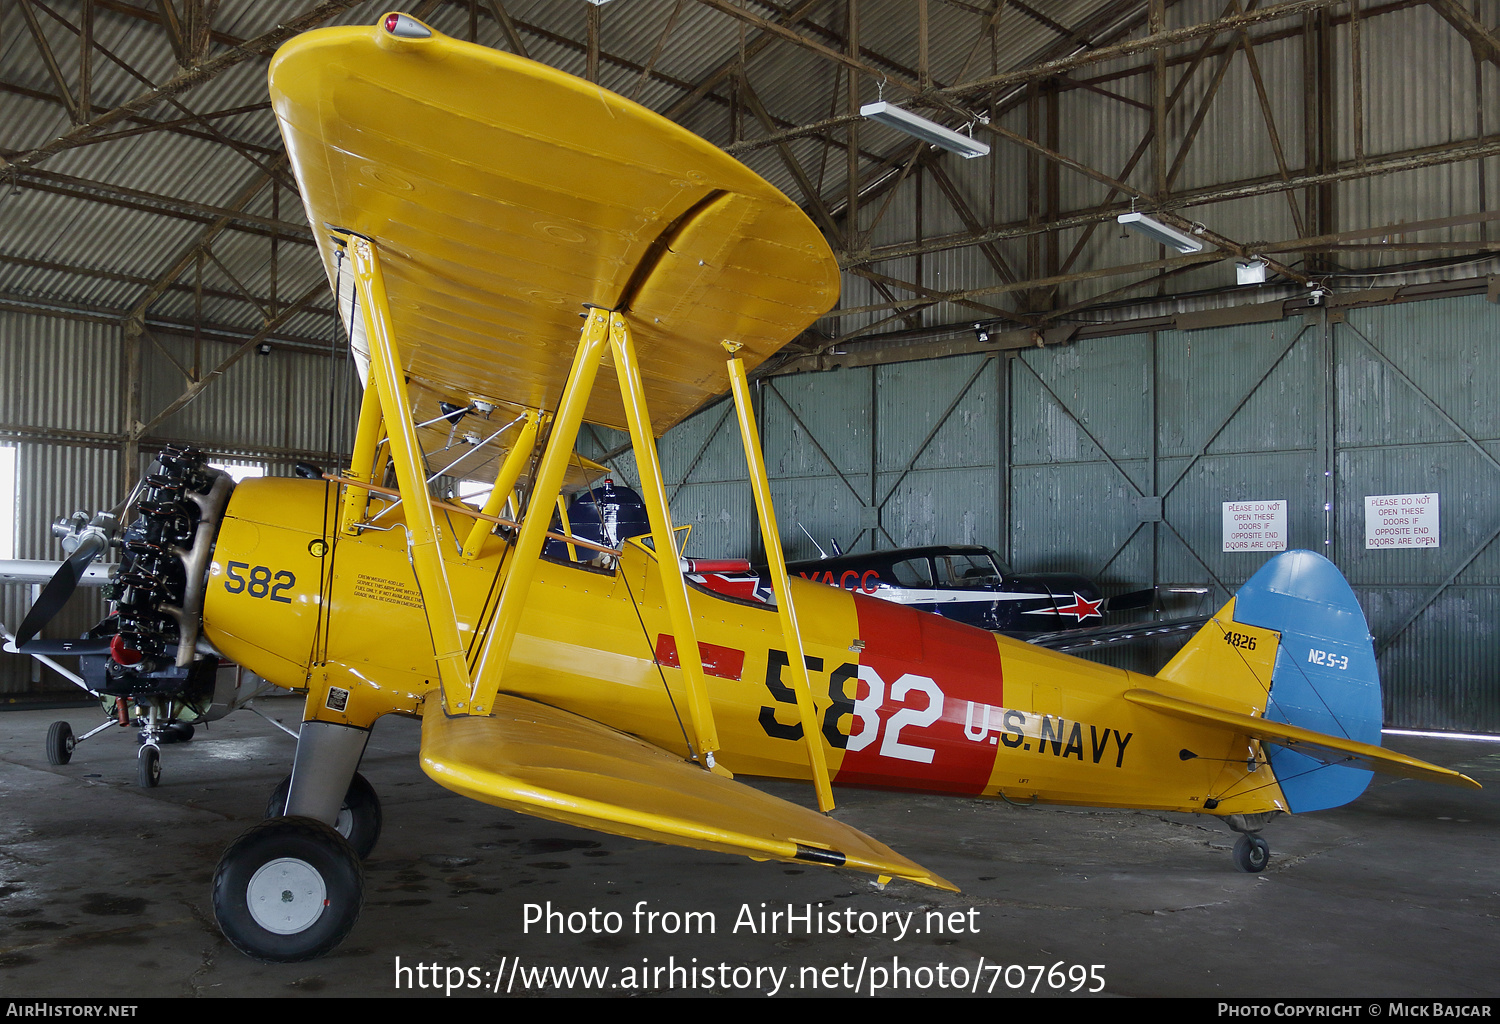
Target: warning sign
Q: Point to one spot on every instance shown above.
(1401, 521)
(1255, 525)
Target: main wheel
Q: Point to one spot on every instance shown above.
(1251, 853)
(287, 890)
(359, 819)
(60, 743)
(178, 732)
(148, 766)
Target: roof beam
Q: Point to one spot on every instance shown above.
(152, 202)
(212, 133)
(140, 430)
(953, 97)
(205, 239)
(753, 47)
(210, 330)
(1486, 47)
(1465, 149)
(143, 282)
(49, 61)
(176, 127)
(184, 80)
(1195, 259)
(508, 27)
(144, 14)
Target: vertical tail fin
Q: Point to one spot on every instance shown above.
(1322, 675)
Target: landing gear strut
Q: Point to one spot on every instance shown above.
(359, 818)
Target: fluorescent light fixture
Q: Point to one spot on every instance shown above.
(1250, 271)
(928, 131)
(1157, 231)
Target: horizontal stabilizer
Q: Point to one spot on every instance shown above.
(539, 760)
(1323, 747)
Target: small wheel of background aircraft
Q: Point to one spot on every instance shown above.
(60, 743)
(148, 761)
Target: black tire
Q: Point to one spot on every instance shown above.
(60, 743)
(1251, 853)
(288, 890)
(148, 766)
(360, 818)
(178, 732)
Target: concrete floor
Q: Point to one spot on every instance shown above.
(105, 889)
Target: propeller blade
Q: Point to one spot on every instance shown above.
(57, 591)
(69, 647)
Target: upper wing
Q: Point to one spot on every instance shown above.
(504, 195)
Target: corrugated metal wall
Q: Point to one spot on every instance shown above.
(1052, 456)
(1419, 392)
(62, 407)
(276, 409)
(58, 378)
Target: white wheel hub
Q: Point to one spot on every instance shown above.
(286, 896)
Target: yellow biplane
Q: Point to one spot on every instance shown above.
(498, 234)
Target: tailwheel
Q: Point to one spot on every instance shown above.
(148, 766)
(60, 743)
(1251, 853)
(288, 890)
(359, 820)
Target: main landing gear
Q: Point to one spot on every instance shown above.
(288, 890)
(359, 817)
(291, 887)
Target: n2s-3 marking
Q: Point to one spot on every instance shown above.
(865, 726)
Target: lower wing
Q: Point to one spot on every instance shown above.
(553, 764)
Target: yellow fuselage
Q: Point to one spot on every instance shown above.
(905, 699)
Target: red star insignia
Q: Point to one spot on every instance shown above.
(1081, 609)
